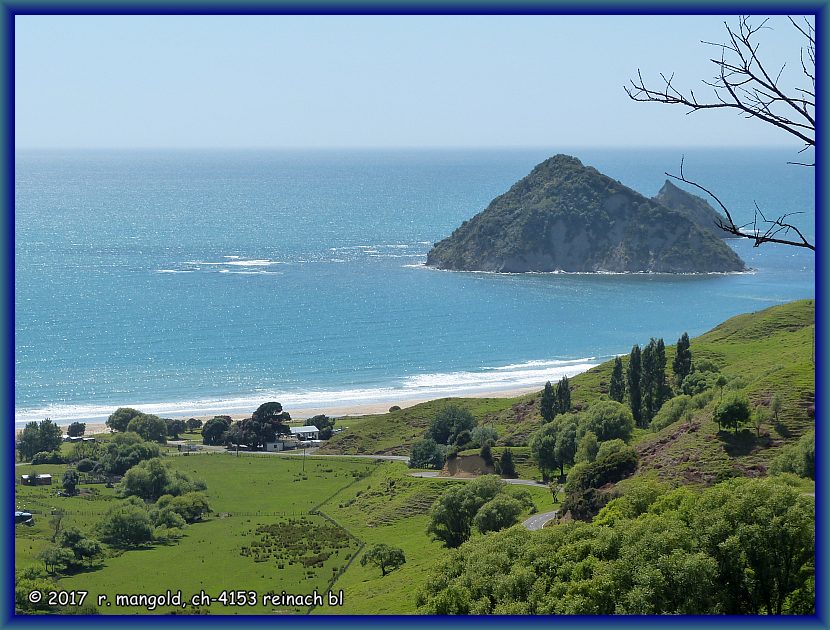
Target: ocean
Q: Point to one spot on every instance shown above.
(190, 283)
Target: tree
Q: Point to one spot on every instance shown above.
(563, 396)
(745, 83)
(775, 406)
(384, 557)
(799, 458)
(652, 380)
(682, 363)
(760, 417)
(732, 412)
(84, 549)
(191, 506)
(193, 424)
(126, 525)
(587, 449)
(264, 425)
(543, 449)
(633, 378)
(28, 442)
(500, 512)
(69, 481)
(449, 422)
(56, 559)
(175, 427)
(213, 433)
(484, 435)
(547, 404)
(151, 479)
(451, 516)
(76, 429)
(426, 454)
(616, 389)
(124, 451)
(272, 413)
(486, 453)
(565, 448)
(324, 424)
(120, 418)
(149, 427)
(44, 436)
(506, 464)
(608, 420)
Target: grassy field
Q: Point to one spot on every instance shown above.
(260, 504)
(301, 524)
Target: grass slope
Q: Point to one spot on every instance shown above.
(771, 351)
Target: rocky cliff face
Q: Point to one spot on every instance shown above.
(695, 208)
(569, 217)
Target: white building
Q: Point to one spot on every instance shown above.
(305, 433)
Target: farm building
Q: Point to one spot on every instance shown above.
(305, 433)
(282, 444)
(44, 479)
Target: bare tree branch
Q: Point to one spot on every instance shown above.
(766, 231)
(742, 83)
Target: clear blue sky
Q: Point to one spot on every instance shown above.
(369, 81)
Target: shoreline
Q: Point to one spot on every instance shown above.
(335, 410)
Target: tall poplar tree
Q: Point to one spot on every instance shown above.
(616, 389)
(633, 383)
(682, 364)
(563, 395)
(548, 403)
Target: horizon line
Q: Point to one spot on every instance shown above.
(512, 147)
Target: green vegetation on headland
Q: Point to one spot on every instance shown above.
(697, 503)
(564, 216)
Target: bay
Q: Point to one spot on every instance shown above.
(185, 282)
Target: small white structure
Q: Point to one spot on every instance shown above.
(306, 432)
(281, 444)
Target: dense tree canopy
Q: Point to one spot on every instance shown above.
(126, 524)
(451, 517)
(124, 451)
(608, 420)
(427, 453)
(151, 479)
(449, 422)
(213, 433)
(120, 418)
(148, 426)
(742, 547)
(37, 437)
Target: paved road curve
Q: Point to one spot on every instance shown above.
(537, 521)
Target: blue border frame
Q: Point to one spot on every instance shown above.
(10, 8)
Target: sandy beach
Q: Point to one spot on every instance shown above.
(338, 411)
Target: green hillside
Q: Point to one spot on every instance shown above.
(760, 354)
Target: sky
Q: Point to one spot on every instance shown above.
(238, 82)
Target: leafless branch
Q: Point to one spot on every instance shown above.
(763, 231)
(743, 83)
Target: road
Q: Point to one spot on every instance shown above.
(437, 475)
(537, 521)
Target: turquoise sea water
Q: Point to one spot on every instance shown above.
(197, 282)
